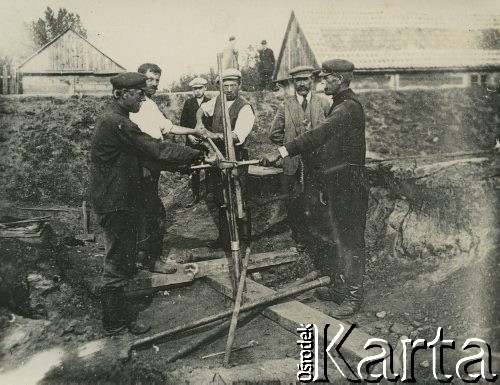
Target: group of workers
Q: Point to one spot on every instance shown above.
(321, 146)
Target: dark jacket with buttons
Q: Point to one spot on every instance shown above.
(339, 142)
(119, 150)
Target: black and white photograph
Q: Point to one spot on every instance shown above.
(249, 192)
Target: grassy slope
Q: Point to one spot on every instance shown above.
(44, 141)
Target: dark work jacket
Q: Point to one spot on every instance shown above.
(188, 118)
(266, 60)
(188, 114)
(340, 144)
(119, 150)
(217, 125)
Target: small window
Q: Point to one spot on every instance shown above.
(484, 79)
(475, 80)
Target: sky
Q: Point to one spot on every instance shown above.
(181, 36)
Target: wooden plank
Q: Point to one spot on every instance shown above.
(291, 314)
(158, 281)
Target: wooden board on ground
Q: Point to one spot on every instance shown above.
(158, 281)
(291, 314)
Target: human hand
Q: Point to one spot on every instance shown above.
(194, 140)
(270, 158)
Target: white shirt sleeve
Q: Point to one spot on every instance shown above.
(208, 108)
(244, 123)
(151, 120)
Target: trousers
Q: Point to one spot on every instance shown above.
(120, 241)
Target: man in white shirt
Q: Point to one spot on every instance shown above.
(242, 119)
(152, 122)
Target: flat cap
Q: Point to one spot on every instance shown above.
(263, 42)
(230, 74)
(301, 71)
(129, 80)
(336, 65)
(198, 82)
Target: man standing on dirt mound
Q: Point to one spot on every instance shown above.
(338, 195)
(297, 114)
(242, 119)
(151, 121)
(188, 119)
(119, 149)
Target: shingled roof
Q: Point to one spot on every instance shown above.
(382, 37)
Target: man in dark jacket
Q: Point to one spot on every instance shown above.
(188, 119)
(119, 150)
(266, 65)
(338, 194)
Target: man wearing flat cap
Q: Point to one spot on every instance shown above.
(188, 119)
(242, 119)
(119, 150)
(266, 65)
(339, 196)
(153, 122)
(297, 114)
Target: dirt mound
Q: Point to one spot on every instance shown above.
(44, 141)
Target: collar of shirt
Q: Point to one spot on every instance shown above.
(200, 100)
(300, 97)
(115, 107)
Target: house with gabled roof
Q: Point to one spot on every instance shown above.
(69, 64)
(395, 46)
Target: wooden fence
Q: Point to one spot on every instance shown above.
(9, 82)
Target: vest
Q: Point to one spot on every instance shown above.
(218, 127)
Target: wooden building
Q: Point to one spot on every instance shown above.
(395, 47)
(69, 64)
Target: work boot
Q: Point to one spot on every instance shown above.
(351, 305)
(329, 294)
(129, 319)
(112, 302)
(163, 267)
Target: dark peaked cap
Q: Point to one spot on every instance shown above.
(129, 80)
(336, 65)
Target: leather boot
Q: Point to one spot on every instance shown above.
(354, 274)
(129, 318)
(351, 305)
(112, 302)
(335, 292)
(163, 267)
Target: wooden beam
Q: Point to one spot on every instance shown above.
(158, 281)
(291, 314)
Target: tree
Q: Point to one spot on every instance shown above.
(52, 25)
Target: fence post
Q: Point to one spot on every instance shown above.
(13, 80)
(5, 80)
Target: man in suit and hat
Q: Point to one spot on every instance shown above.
(242, 119)
(266, 65)
(339, 196)
(297, 114)
(188, 119)
(119, 149)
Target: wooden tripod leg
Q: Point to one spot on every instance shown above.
(236, 309)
